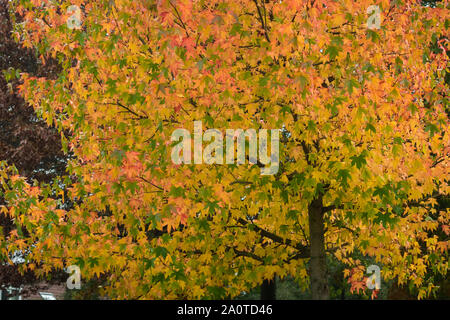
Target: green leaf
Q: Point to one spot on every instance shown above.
(350, 84)
(359, 161)
(343, 175)
(332, 51)
(370, 127)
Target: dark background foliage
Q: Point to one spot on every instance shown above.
(25, 141)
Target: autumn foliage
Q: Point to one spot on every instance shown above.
(25, 141)
(364, 144)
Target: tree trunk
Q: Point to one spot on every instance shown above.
(318, 264)
(269, 290)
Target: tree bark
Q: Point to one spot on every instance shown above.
(269, 290)
(318, 264)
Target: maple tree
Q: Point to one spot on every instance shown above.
(363, 148)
